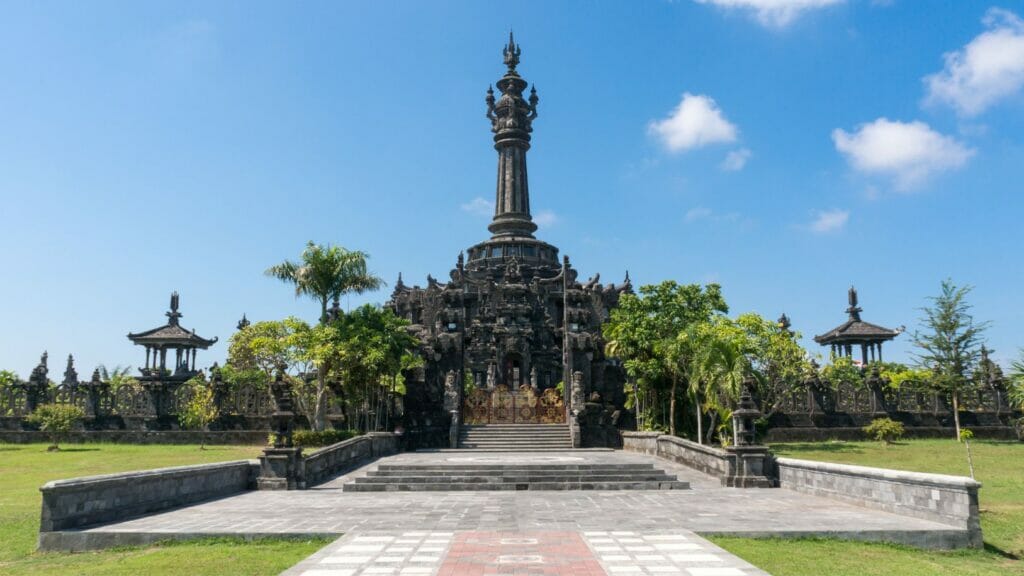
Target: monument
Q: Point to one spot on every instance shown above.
(512, 336)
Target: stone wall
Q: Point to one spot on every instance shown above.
(250, 437)
(713, 461)
(329, 461)
(951, 500)
(77, 502)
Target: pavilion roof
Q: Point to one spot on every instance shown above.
(855, 330)
(171, 334)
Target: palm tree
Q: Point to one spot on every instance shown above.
(1017, 383)
(327, 273)
(728, 368)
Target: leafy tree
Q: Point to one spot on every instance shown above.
(950, 344)
(898, 375)
(775, 356)
(327, 273)
(644, 332)
(842, 370)
(8, 378)
(57, 420)
(118, 377)
(200, 411)
(374, 349)
(264, 346)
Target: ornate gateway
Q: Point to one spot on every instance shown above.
(502, 406)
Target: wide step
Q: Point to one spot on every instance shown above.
(547, 476)
(515, 437)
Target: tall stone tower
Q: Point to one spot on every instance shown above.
(512, 317)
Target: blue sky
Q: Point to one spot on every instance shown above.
(784, 152)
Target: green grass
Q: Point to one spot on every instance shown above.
(26, 467)
(999, 466)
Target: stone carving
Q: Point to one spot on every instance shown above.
(513, 312)
(284, 415)
(70, 374)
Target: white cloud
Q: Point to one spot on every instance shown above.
(479, 207)
(990, 67)
(829, 220)
(908, 152)
(698, 213)
(773, 13)
(735, 160)
(545, 218)
(696, 122)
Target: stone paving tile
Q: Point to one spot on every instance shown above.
(532, 553)
(679, 552)
(706, 508)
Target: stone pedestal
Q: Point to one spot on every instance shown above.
(281, 469)
(748, 467)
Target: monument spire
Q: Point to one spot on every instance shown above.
(511, 118)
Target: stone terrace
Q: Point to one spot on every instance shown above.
(706, 508)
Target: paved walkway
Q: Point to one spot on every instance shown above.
(532, 553)
(531, 533)
(707, 508)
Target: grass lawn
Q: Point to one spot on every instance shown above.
(999, 466)
(26, 467)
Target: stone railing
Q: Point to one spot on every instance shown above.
(951, 500)
(712, 461)
(78, 502)
(326, 462)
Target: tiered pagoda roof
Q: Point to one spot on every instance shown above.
(855, 330)
(171, 334)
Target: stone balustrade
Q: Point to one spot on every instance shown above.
(951, 500)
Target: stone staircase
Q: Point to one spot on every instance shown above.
(515, 437)
(445, 477)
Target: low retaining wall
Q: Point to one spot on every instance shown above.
(951, 500)
(142, 437)
(327, 462)
(712, 461)
(77, 502)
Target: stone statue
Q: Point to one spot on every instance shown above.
(492, 370)
(577, 394)
(451, 391)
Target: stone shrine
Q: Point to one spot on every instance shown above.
(512, 321)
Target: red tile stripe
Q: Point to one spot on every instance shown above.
(520, 554)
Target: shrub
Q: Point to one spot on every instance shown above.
(885, 430)
(57, 420)
(200, 411)
(314, 439)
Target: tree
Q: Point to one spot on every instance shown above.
(327, 273)
(374, 348)
(726, 366)
(200, 411)
(950, 344)
(264, 346)
(644, 332)
(1016, 387)
(57, 420)
(8, 378)
(118, 377)
(775, 355)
